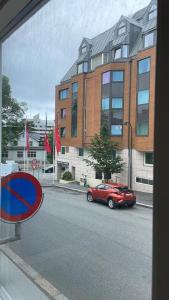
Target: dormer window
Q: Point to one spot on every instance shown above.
(84, 49)
(153, 12)
(121, 52)
(149, 40)
(122, 28)
(82, 67)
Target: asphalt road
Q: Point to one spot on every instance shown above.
(88, 251)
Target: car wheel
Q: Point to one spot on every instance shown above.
(90, 197)
(111, 203)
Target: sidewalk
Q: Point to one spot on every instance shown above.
(142, 197)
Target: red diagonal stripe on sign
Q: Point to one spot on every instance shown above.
(20, 198)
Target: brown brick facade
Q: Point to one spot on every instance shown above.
(89, 104)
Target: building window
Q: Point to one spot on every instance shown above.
(106, 78)
(144, 180)
(116, 130)
(105, 58)
(117, 102)
(125, 51)
(149, 40)
(84, 49)
(96, 61)
(143, 97)
(153, 12)
(122, 28)
(41, 143)
(81, 151)
(5, 154)
(63, 150)
(63, 113)
(85, 67)
(144, 66)
(31, 153)
(98, 175)
(63, 94)
(62, 131)
(117, 76)
(15, 143)
(80, 68)
(74, 109)
(118, 53)
(67, 149)
(30, 143)
(148, 158)
(19, 153)
(105, 103)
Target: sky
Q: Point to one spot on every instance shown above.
(39, 53)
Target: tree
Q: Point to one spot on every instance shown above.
(102, 151)
(12, 115)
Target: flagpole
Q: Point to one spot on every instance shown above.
(54, 153)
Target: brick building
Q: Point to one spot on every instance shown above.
(113, 81)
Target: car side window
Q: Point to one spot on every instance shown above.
(101, 187)
(107, 187)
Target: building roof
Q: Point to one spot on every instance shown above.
(99, 43)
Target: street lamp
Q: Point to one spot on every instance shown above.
(129, 153)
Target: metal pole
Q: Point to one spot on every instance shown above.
(0, 102)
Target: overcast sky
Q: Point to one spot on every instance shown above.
(38, 54)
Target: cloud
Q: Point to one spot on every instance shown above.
(39, 53)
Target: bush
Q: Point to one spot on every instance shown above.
(67, 176)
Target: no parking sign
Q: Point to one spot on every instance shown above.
(21, 197)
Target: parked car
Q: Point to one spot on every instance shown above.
(48, 169)
(114, 194)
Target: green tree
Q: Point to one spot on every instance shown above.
(102, 152)
(12, 115)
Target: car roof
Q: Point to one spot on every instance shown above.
(116, 185)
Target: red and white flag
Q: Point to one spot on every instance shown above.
(57, 140)
(47, 147)
(27, 147)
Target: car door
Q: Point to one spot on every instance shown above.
(101, 192)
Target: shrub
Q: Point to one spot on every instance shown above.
(67, 176)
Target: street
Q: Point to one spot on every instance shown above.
(88, 251)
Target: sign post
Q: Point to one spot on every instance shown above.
(20, 199)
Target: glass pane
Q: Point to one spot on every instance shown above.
(117, 116)
(106, 78)
(117, 75)
(105, 103)
(125, 51)
(144, 65)
(117, 53)
(149, 40)
(80, 68)
(85, 66)
(149, 158)
(117, 102)
(143, 97)
(75, 87)
(116, 129)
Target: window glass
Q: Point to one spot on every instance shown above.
(116, 129)
(149, 158)
(117, 75)
(149, 40)
(117, 116)
(143, 97)
(117, 53)
(63, 94)
(62, 131)
(144, 66)
(19, 153)
(106, 78)
(80, 68)
(125, 51)
(105, 103)
(153, 12)
(81, 151)
(85, 66)
(63, 113)
(75, 87)
(84, 48)
(117, 102)
(142, 119)
(63, 150)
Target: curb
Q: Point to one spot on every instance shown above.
(84, 192)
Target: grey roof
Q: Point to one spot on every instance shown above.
(150, 25)
(72, 71)
(109, 37)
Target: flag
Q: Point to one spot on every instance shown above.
(27, 147)
(47, 147)
(57, 140)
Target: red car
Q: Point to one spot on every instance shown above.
(114, 194)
